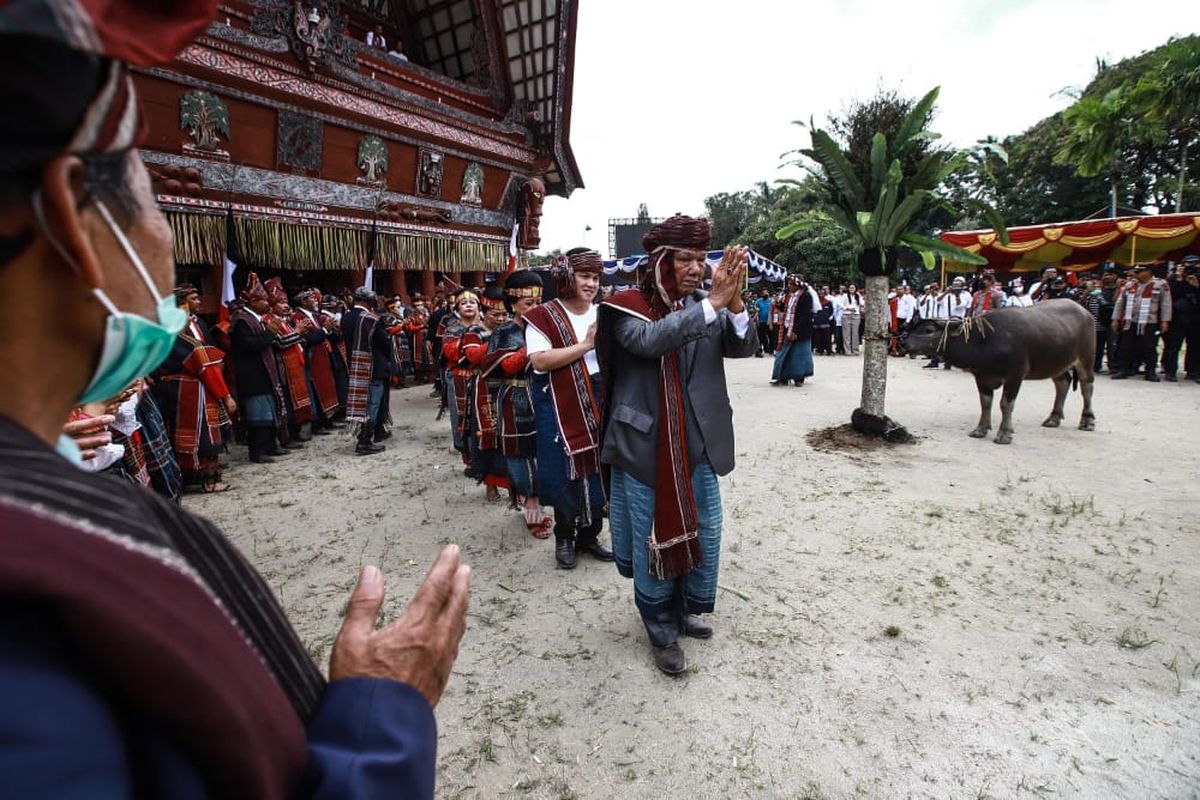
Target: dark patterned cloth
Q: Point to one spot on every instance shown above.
(164, 610)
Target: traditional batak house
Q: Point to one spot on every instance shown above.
(312, 140)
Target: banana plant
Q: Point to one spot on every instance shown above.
(879, 215)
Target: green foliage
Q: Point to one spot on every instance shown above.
(877, 184)
(544, 259)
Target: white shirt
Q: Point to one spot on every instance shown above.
(851, 303)
(836, 301)
(905, 306)
(1018, 300)
(741, 321)
(956, 306)
(535, 342)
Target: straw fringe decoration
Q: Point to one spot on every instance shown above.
(269, 244)
(198, 238)
(400, 251)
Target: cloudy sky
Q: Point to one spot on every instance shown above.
(676, 100)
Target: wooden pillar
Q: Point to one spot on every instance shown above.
(397, 283)
(210, 301)
(357, 276)
(428, 285)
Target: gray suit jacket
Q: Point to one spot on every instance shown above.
(630, 350)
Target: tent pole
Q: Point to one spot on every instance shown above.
(1133, 251)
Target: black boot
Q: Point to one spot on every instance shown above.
(691, 625)
(564, 553)
(256, 439)
(271, 443)
(366, 446)
(587, 540)
(664, 643)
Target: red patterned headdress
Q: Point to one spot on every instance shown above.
(677, 233)
(563, 269)
(254, 289)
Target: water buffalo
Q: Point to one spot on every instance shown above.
(1055, 339)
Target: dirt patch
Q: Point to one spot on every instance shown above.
(844, 439)
(955, 620)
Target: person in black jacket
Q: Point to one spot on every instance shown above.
(794, 361)
(1185, 325)
(260, 388)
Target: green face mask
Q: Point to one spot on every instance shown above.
(133, 345)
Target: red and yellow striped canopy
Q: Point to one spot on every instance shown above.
(1082, 245)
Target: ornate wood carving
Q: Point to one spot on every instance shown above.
(532, 193)
(298, 143)
(372, 160)
(315, 30)
(206, 119)
(472, 185)
(176, 180)
(430, 164)
(392, 211)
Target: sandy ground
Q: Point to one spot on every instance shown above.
(951, 619)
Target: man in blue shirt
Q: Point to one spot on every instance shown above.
(766, 337)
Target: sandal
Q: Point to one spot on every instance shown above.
(542, 529)
(214, 487)
(493, 494)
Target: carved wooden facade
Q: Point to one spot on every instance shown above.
(327, 153)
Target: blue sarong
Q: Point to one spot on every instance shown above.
(258, 411)
(794, 361)
(578, 503)
(630, 519)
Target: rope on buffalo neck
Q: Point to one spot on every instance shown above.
(968, 324)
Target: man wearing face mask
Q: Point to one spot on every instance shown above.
(668, 427)
(140, 654)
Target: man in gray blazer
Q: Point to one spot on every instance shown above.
(668, 427)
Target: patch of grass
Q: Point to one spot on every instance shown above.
(892, 631)
(1133, 638)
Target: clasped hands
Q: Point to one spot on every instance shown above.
(726, 291)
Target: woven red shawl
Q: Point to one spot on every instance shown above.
(675, 539)
(195, 409)
(578, 416)
(292, 358)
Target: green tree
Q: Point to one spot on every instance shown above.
(544, 259)
(877, 200)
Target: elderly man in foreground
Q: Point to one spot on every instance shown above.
(140, 654)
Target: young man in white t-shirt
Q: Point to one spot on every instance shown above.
(560, 342)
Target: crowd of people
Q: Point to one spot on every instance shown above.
(1143, 323)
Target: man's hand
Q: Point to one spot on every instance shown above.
(1116, 325)
(420, 647)
(727, 280)
(90, 433)
(230, 405)
(792, 336)
(1162, 327)
(590, 338)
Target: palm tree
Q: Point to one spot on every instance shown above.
(904, 177)
(1100, 130)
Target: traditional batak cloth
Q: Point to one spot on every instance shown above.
(165, 475)
(571, 390)
(515, 425)
(102, 552)
(361, 368)
(794, 360)
(985, 300)
(189, 386)
(1144, 305)
(674, 546)
(290, 353)
(319, 360)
